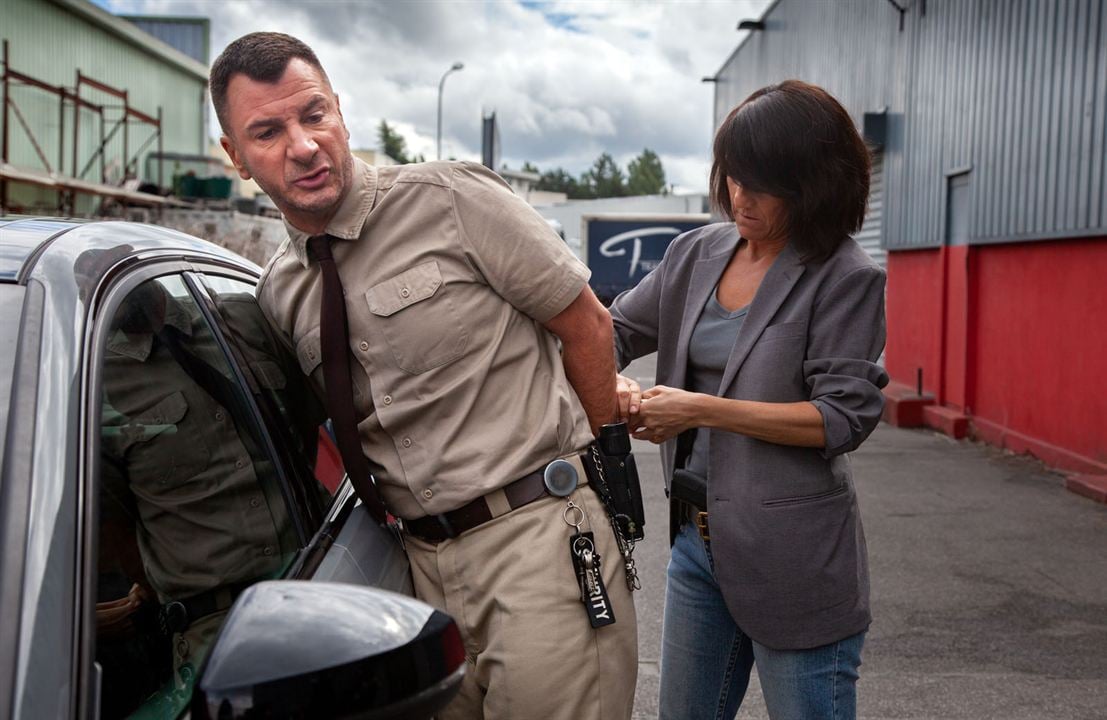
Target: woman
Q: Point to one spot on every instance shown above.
(767, 331)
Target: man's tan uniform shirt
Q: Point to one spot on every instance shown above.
(448, 275)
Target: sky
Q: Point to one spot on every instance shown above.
(568, 80)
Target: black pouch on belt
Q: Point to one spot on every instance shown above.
(690, 488)
(619, 487)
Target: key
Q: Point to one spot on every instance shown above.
(588, 559)
(586, 564)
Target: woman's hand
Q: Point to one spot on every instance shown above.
(665, 412)
(628, 395)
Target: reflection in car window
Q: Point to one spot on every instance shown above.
(291, 409)
(191, 509)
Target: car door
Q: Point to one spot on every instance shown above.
(214, 470)
(350, 546)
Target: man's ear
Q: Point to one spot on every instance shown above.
(232, 153)
(338, 106)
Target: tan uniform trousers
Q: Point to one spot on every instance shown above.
(531, 651)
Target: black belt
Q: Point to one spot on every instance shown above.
(436, 528)
(176, 616)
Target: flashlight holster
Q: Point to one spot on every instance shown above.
(615, 475)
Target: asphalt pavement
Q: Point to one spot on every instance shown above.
(989, 584)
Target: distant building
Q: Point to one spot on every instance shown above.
(190, 35)
(568, 213)
(987, 121)
(525, 186)
(374, 157)
(90, 97)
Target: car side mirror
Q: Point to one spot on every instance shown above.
(329, 650)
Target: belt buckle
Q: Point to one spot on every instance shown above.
(701, 524)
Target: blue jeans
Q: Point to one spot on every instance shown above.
(706, 658)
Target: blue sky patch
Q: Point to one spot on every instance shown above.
(564, 20)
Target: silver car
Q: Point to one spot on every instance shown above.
(168, 478)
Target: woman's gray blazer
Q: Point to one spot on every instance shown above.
(786, 535)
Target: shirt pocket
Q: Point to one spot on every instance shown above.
(418, 318)
(163, 450)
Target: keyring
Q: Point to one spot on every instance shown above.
(582, 540)
(565, 515)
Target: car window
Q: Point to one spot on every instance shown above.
(290, 407)
(191, 505)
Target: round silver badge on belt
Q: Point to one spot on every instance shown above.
(561, 478)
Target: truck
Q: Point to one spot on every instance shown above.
(622, 248)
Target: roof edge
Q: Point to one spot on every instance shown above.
(764, 14)
(131, 33)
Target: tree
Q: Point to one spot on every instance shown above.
(605, 179)
(528, 167)
(393, 145)
(645, 174)
(558, 180)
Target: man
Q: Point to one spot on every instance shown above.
(454, 292)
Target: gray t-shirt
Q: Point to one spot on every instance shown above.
(708, 352)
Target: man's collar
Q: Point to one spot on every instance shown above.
(137, 346)
(352, 212)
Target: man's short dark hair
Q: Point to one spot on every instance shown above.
(796, 142)
(260, 56)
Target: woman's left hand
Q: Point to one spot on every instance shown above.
(666, 412)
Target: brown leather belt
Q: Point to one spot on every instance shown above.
(436, 528)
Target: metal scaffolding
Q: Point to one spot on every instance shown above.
(69, 185)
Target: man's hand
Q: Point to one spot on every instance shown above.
(628, 393)
(666, 412)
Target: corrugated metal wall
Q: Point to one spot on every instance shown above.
(189, 35)
(871, 232)
(1012, 91)
(50, 43)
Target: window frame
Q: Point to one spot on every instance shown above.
(290, 475)
(107, 301)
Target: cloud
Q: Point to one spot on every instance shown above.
(567, 79)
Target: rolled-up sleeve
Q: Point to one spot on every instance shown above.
(846, 337)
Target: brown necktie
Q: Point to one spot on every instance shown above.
(334, 341)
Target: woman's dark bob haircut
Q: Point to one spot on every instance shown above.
(796, 142)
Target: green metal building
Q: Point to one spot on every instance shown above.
(89, 101)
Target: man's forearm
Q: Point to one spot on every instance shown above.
(590, 368)
(588, 354)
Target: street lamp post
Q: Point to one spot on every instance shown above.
(441, 83)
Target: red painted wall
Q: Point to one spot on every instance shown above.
(914, 317)
(1041, 342)
(1014, 336)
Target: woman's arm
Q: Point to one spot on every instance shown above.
(666, 412)
(842, 377)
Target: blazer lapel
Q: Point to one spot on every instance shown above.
(705, 275)
(782, 276)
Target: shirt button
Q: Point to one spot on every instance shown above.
(404, 292)
(219, 416)
(268, 550)
(363, 345)
(407, 442)
(428, 493)
(254, 502)
(387, 399)
(311, 354)
(238, 463)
